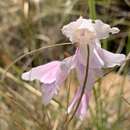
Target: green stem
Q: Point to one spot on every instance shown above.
(128, 44)
(92, 10)
(104, 45)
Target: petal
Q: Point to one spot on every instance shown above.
(48, 73)
(44, 73)
(86, 24)
(111, 59)
(48, 91)
(95, 60)
(81, 56)
(114, 30)
(80, 70)
(82, 109)
(52, 75)
(64, 69)
(103, 29)
(74, 101)
(70, 29)
(102, 58)
(95, 71)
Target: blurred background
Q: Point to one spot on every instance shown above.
(27, 25)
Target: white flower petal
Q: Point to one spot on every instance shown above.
(110, 59)
(103, 29)
(114, 30)
(70, 30)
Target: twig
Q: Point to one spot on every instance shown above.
(29, 53)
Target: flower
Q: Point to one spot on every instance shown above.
(83, 32)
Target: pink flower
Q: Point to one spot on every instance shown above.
(52, 75)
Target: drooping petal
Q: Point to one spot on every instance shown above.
(96, 61)
(82, 108)
(48, 92)
(65, 67)
(110, 59)
(74, 100)
(103, 30)
(51, 75)
(44, 73)
(93, 75)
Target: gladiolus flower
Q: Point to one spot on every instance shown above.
(83, 32)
